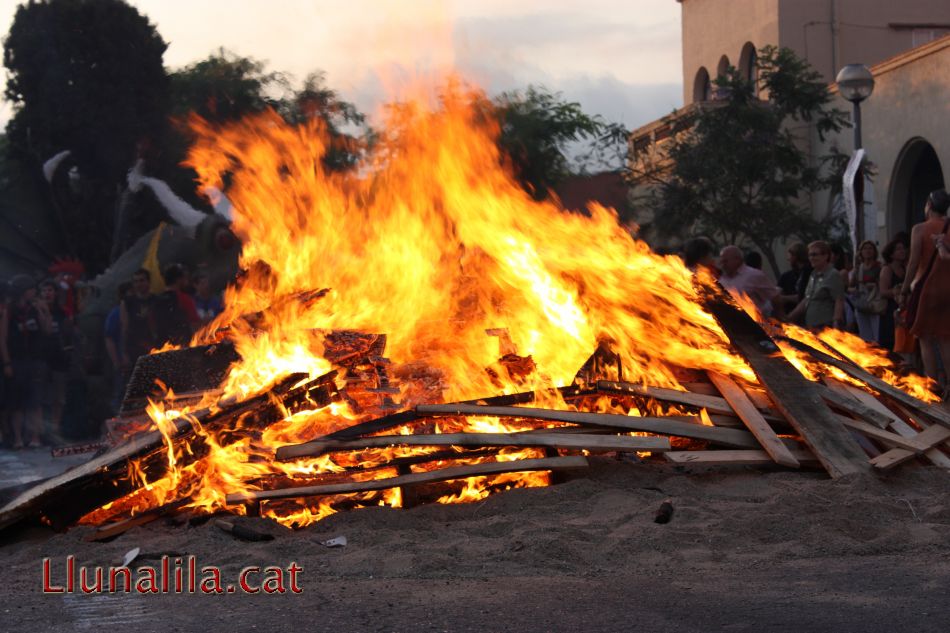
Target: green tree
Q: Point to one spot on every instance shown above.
(84, 76)
(740, 174)
(536, 129)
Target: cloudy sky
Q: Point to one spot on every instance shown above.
(618, 58)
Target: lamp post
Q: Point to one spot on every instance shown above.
(855, 83)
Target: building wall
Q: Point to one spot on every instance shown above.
(867, 31)
(910, 104)
(713, 28)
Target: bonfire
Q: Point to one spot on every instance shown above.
(421, 329)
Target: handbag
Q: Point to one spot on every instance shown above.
(913, 304)
(869, 300)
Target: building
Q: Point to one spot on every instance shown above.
(906, 127)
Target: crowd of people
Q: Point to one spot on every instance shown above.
(40, 342)
(898, 298)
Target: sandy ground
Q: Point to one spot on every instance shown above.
(746, 550)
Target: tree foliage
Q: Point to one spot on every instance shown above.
(537, 127)
(740, 175)
(85, 76)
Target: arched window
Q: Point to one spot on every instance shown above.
(722, 67)
(702, 89)
(748, 64)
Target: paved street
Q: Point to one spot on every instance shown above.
(24, 466)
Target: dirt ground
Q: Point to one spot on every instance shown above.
(746, 550)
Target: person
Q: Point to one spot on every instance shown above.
(59, 353)
(207, 303)
(176, 318)
(892, 277)
(740, 279)
(136, 321)
(698, 254)
(823, 305)
(112, 330)
(793, 281)
(753, 259)
(23, 331)
(864, 289)
(925, 268)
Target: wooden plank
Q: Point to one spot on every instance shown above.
(834, 394)
(445, 474)
(933, 412)
(794, 396)
(660, 426)
(893, 439)
(713, 404)
(932, 437)
(552, 440)
(735, 458)
(934, 455)
(756, 424)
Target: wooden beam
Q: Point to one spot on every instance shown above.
(445, 474)
(552, 440)
(756, 424)
(661, 426)
(735, 458)
(793, 395)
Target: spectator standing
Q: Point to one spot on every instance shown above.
(112, 331)
(176, 318)
(925, 268)
(823, 305)
(865, 291)
(23, 334)
(793, 281)
(740, 279)
(892, 277)
(137, 321)
(58, 357)
(208, 304)
(698, 253)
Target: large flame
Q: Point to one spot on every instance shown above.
(432, 242)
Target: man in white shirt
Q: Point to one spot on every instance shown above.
(740, 279)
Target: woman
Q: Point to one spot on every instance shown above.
(865, 281)
(925, 268)
(892, 277)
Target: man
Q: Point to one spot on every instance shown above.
(137, 320)
(740, 279)
(793, 281)
(176, 318)
(823, 305)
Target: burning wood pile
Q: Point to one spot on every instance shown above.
(519, 340)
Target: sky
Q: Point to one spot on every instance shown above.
(618, 58)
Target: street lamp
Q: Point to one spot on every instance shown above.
(856, 83)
